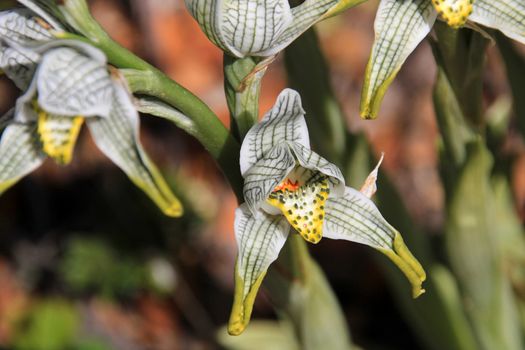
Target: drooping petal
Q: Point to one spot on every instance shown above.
(400, 26)
(71, 82)
(284, 122)
(454, 12)
(311, 160)
(355, 218)
(259, 240)
(117, 136)
(20, 26)
(508, 16)
(263, 177)
(19, 153)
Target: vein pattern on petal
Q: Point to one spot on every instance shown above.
(400, 26)
(284, 122)
(259, 238)
(355, 218)
(19, 153)
(508, 16)
(71, 83)
(118, 138)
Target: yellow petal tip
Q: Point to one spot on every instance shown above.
(175, 210)
(454, 12)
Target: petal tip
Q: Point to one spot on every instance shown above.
(175, 210)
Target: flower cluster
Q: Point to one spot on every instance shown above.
(68, 83)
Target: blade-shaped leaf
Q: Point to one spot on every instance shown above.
(355, 218)
(259, 240)
(508, 16)
(263, 177)
(118, 137)
(19, 153)
(311, 160)
(284, 122)
(400, 26)
(70, 82)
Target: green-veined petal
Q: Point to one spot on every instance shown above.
(508, 16)
(311, 160)
(71, 82)
(400, 26)
(20, 26)
(47, 9)
(304, 16)
(19, 153)
(18, 65)
(355, 218)
(284, 122)
(117, 136)
(259, 240)
(264, 176)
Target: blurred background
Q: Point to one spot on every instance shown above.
(88, 262)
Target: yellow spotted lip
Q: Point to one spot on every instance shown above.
(454, 12)
(303, 206)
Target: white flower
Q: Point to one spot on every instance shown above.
(259, 27)
(67, 83)
(401, 25)
(287, 188)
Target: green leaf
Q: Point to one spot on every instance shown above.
(400, 26)
(259, 240)
(472, 231)
(508, 16)
(268, 335)
(117, 136)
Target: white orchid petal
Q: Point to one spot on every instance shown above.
(19, 153)
(259, 238)
(118, 138)
(18, 65)
(508, 16)
(253, 26)
(284, 122)
(304, 16)
(47, 9)
(311, 160)
(263, 177)
(355, 218)
(20, 26)
(400, 26)
(70, 82)
(369, 188)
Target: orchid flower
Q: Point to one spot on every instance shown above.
(401, 25)
(260, 28)
(290, 188)
(67, 83)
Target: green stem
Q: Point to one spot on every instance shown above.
(242, 85)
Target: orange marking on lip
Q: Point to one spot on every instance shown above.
(287, 185)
